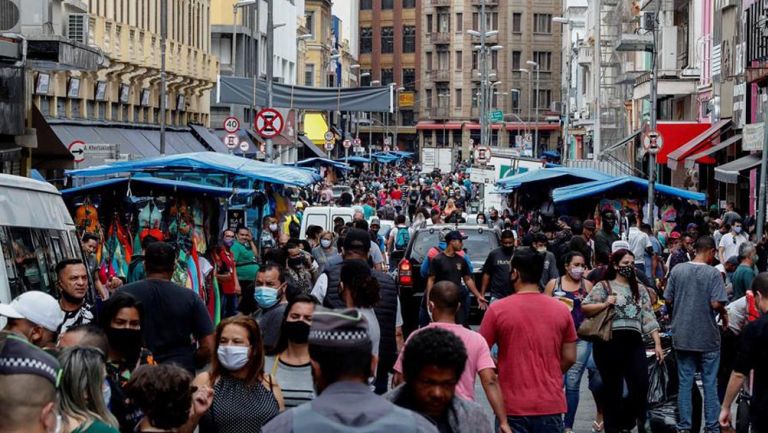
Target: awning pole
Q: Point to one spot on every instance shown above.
(763, 167)
(654, 97)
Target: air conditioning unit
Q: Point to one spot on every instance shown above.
(77, 27)
(668, 51)
(556, 107)
(648, 20)
(10, 16)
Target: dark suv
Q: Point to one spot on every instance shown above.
(479, 243)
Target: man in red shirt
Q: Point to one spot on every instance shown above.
(537, 345)
(226, 274)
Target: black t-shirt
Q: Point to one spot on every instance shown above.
(449, 268)
(413, 197)
(498, 267)
(172, 316)
(753, 355)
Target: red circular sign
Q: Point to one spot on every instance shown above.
(269, 123)
(77, 149)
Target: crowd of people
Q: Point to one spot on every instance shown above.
(310, 337)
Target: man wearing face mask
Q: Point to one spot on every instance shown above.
(27, 389)
(745, 272)
(550, 271)
(731, 241)
(606, 236)
(226, 274)
(497, 268)
(269, 234)
(35, 316)
(246, 266)
(72, 280)
(270, 295)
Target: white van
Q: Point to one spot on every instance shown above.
(36, 232)
(323, 216)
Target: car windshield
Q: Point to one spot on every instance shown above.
(478, 245)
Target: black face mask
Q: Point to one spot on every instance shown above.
(126, 341)
(295, 262)
(508, 250)
(71, 299)
(296, 332)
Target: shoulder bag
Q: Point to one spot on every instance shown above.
(598, 328)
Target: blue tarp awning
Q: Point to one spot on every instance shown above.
(157, 183)
(357, 159)
(234, 166)
(386, 157)
(623, 185)
(577, 175)
(311, 162)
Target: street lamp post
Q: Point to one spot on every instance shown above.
(654, 98)
(483, 34)
(397, 113)
(163, 90)
(370, 124)
(536, 122)
(570, 53)
(530, 95)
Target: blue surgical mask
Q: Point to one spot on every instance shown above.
(442, 245)
(737, 230)
(326, 243)
(265, 296)
(229, 242)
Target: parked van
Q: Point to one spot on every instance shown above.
(36, 232)
(323, 216)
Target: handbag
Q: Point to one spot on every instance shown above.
(598, 328)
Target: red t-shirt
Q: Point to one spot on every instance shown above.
(225, 263)
(530, 330)
(396, 194)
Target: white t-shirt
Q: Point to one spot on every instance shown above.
(638, 242)
(730, 244)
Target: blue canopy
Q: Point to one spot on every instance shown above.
(386, 157)
(157, 183)
(622, 185)
(311, 162)
(575, 175)
(235, 166)
(357, 159)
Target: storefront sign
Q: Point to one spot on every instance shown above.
(406, 99)
(752, 137)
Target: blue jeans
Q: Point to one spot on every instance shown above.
(535, 424)
(688, 363)
(573, 380)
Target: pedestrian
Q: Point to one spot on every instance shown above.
(654, 265)
(226, 274)
(572, 288)
(325, 251)
(359, 289)
(28, 377)
(244, 396)
(680, 250)
(497, 268)
(550, 271)
(136, 269)
(340, 351)
(269, 234)
(34, 316)
(90, 244)
(695, 292)
(84, 336)
(640, 244)
(290, 364)
(537, 345)
(745, 272)
(443, 307)
(300, 271)
(606, 236)
(245, 253)
(72, 281)
(751, 361)
(82, 386)
(176, 327)
(399, 236)
(433, 362)
(622, 359)
(731, 241)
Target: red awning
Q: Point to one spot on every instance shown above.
(700, 142)
(424, 125)
(676, 135)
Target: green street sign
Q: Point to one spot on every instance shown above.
(496, 116)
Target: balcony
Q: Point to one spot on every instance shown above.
(439, 113)
(584, 58)
(441, 38)
(440, 75)
(634, 42)
(487, 2)
(441, 3)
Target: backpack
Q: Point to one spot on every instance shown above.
(402, 238)
(294, 228)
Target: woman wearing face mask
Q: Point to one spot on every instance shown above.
(244, 397)
(299, 270)
(290, 364)
(481, 219)
(572, 288)
(325, 251)
(622, 359)
(83, 392)
(120, 319)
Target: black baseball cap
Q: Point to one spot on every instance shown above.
(357, 239)
(455, 235)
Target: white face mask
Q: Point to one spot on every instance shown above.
(325, 243)
(576, 272)
(233, 358)
(273, 227)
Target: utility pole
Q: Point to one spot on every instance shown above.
(653, 97)
(163, 91)
(536, 124)
(763, 172)
(483, 79)
(596, 61)
(270, 69)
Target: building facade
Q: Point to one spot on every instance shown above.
(523, 58)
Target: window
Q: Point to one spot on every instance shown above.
(409, 79)
(387, 77)
(491, 21)
(544, 99)
(429, 23)
(517, 22)
(365, 5)
(387, 4)
(310, 17)
(516, 56)
(309, 75)
(409, 4)
(365, 77)
(459, 22)
(443, 60)
(406, 118)
(542, 23)
(444, 23)
(475, 96)
(429, 98)
(366, 40)
(409, 39)
(475, 61)
(458, 60)
(475, 21)
(429, 60)
(495, 60)
(443, 97)
(458, 98)
(515, 97)
(387, 40)
(544, 59)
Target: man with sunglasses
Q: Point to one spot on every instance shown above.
(731, 241)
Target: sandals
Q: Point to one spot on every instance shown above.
(597, 427)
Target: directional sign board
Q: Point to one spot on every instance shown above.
(77, 149)
(496, 116)
(231, 141)
(231, 124)
(269, 123)
(347, 144)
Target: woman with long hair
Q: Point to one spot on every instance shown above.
(289, 364)
(622, 359)
(83, 392)
(324, 251)
(359, 289)
(244, 398)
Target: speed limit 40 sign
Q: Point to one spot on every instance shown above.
(231, 124)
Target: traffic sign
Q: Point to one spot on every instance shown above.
(328, 136)
(471, 142)
(387, 142)
(244, 146)
(496, 116)
(77, 149)
(347, 144)
(386, 148)
(329, 146)
(269, 123)
(357, 142)
(482, 155)
(652, 142)
(231, 140)
(231, 124)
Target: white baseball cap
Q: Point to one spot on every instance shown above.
(38, 307)
(619, 245)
